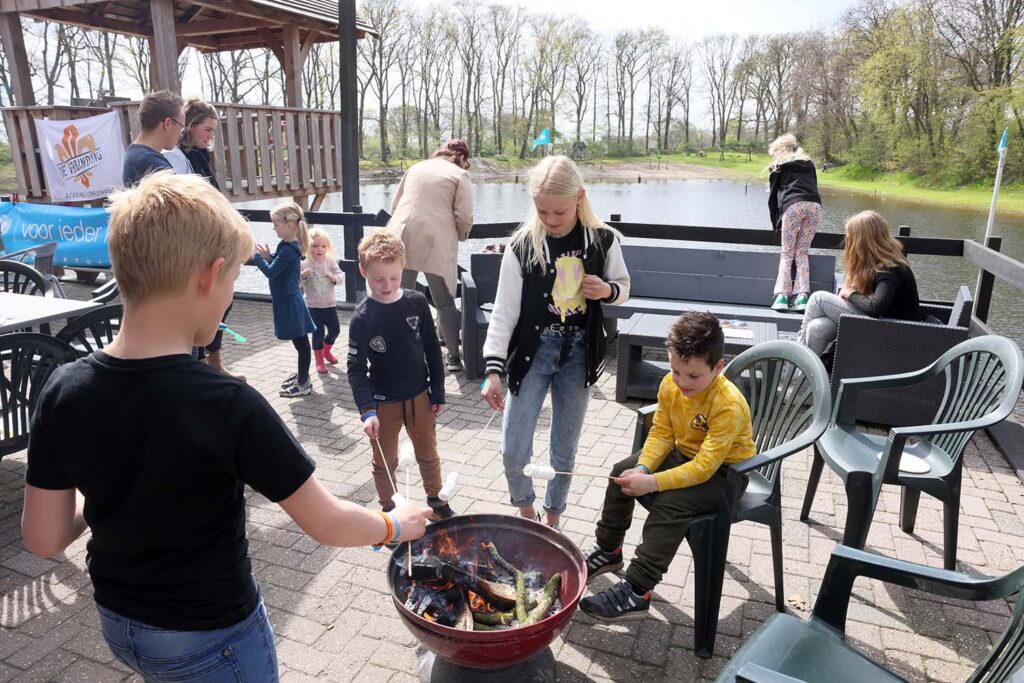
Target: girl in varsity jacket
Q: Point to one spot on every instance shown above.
(547, 328)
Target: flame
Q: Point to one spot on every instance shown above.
(478, 603)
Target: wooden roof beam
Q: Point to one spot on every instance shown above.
(222, 26)
(87, 20)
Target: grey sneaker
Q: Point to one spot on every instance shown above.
(296, 389)
(289, 380)
(600, 561)
(618, 603)
(453, 363)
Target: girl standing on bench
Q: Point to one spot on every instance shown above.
(795, 208)
(547, 330)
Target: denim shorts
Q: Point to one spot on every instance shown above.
(242, 653)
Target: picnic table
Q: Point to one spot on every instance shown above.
(21, 311)
(639, 378)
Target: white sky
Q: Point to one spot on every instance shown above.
(693, 19)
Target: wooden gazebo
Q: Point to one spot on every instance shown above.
(263, 151)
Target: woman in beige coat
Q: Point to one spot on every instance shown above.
(432, 212)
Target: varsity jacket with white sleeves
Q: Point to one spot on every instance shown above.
(520, 306)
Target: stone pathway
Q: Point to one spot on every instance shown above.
(334, 620)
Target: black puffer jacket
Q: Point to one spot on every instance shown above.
(793, 181)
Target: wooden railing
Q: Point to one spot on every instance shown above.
(261, 152)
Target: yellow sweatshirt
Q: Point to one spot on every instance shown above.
(711, 428)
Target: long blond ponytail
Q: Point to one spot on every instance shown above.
(293, 213)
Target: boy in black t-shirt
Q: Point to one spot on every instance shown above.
(393, 333)
(160, 478)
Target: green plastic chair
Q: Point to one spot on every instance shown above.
(983, 379)
(787, 649)
(788, 392)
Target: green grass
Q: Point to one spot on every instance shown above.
(8, 183)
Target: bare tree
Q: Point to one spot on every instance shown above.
(382, 56)
(584, 61)
(675, 86)
(469, 40)
(50, 57)
(717, 55)
(656, 40)
(505, 24)
(134, 61)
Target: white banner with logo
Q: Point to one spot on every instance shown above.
(81, 158)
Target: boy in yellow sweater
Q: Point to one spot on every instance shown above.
(702, 422)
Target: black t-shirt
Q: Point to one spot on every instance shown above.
(393, 352)
(161, 449)
(139, 161)
(567, 305)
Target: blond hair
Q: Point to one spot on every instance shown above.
(381, 246)
(868, 249)
(165, 229)
(320, 233)
(557, 176)
(784, 149)
(290, 212)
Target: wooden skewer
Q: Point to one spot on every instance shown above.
(585, 474)
(394, 486)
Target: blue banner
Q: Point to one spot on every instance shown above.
(80, 234)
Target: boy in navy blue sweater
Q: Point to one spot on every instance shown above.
(395, 369)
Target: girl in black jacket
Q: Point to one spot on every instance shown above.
(795, 208)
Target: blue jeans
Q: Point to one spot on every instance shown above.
(243, 653)
(559, 363)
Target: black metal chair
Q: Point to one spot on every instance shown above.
(786, 649)
(105, 293)
(92, 330)
(20, 278)
(29, 359)
(787, 389)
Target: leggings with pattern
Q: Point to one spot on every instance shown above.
(799, 223)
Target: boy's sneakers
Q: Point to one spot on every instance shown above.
(453, 363)
(618, 603)
(296, 389)
(780, 303)
(441, 509)
(601, 561)
(800, 303)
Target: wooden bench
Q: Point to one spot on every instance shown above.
(733, 284)
(665, 279)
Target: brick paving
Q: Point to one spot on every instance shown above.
(333, 618)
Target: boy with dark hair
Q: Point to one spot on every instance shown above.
(160, 479)
(702, 422)
(395, 370)
(161, 122)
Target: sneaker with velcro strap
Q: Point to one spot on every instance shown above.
(618, 603)
(601, 561)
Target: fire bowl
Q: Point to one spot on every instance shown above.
(527, 544)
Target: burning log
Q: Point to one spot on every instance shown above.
(435, 569)
(547, 598)
(492, 550)
(465, 620)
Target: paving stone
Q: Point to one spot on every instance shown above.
(334, 620)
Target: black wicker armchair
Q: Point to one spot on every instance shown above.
(869, 347)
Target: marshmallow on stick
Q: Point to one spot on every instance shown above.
(548, 473)
(406, 455)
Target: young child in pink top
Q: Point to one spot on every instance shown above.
(319, 278)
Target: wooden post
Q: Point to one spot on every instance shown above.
(12, 39)
(293, 62)
(349, 113)
(983, 291)
(164, 55)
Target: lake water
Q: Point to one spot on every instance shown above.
(733, 204)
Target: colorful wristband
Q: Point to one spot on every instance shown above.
(367, 415)
(398, 527)
(644, 468)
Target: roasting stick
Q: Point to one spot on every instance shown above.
(548, 473)
(451, 482)
(407, 454)
(397, 498)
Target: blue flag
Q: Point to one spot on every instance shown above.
(80, 234)
(543, 139)
(1002, 143)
